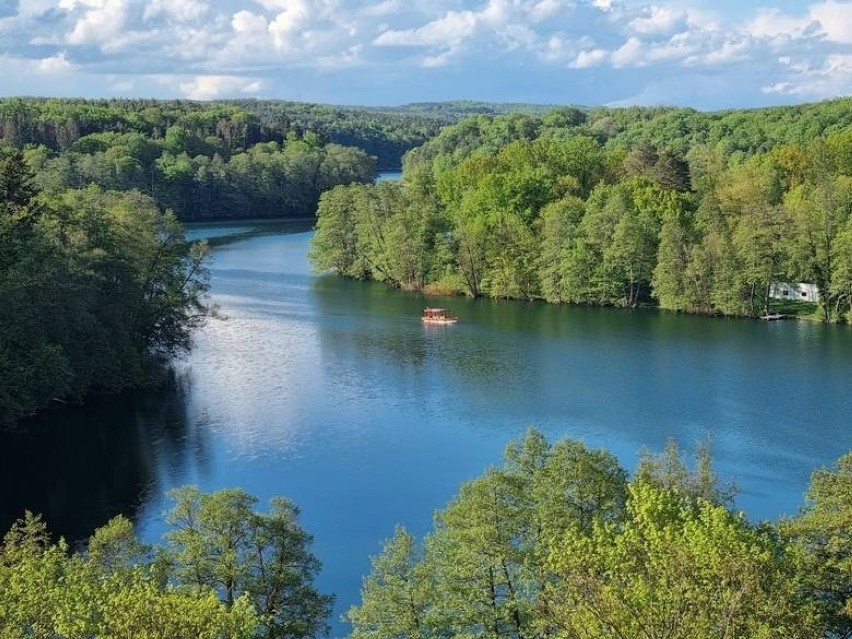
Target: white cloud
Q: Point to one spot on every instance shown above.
(835, 18)
(832, 78)
(31, 8)
(210, 87)
(831, 18)
(772, 23)
(729, 52)
(656, 19)
(385, 8)
(778, 87)
(545, 9)
(350, 57)
(435, 61)
(288, 25)
(177, 10)
(451, 30)
(630, 53)
(593, 58)
(100, 22)
(58, 63)
(248, 23)
(508, 46)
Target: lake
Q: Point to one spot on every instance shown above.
(331, 392)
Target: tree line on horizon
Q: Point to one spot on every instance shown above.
(558, 541)
(688, 218)
(201, 161)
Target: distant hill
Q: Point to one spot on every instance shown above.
(384, 132)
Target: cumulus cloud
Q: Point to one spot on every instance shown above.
(833, 77)
(631, 53)
(450, 30)
(385, 8)
(831, 19)
(835, 20)
(212, 48)
(592, 58)
(288, 24)
(657, 19)
(210, 87)
(177, 10)
(55, 64)
(97, 22)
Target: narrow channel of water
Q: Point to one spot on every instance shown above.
(332, 392)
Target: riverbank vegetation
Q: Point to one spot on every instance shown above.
(695, 212)
(559, 541)
(97, 288)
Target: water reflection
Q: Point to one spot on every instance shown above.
(83, 465)
(768, 394)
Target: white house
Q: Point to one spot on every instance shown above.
(788, 291)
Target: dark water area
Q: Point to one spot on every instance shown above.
(388, 176)
(331, 392)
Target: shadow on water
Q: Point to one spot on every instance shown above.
(221, 233)
(80, 466)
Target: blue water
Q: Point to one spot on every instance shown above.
(388, 176)
(332, 392)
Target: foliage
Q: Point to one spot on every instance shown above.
(217, 541)
(702, 213)
(558, 543)
(674, 568)
(227, 572)
(48, 592)
(823, 530)
(480, 572)
(95, 289)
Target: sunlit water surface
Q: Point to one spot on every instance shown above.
(332, 392)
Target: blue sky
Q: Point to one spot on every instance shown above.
(707, 55)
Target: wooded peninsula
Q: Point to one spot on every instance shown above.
(695, 212)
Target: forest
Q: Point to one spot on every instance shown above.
(199, 161)
(98, 289)
(224, 571)
(694, 212)
(559, 541)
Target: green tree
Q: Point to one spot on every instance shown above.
(218, 541)
(669, 471)
(559, 222)
(818, 213)
(841, 276)
(48, 593)
(396, 596)
(334, 245)
(823, 531)
(675, 568)
(476, 561)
